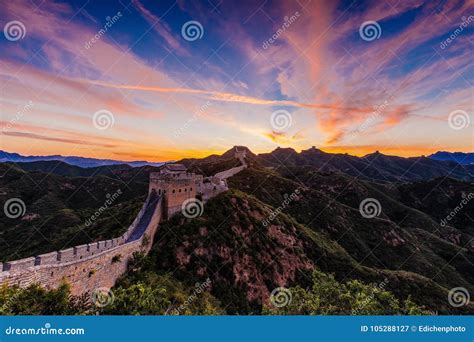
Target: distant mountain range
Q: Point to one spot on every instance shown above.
(311, 203)
(375, 166)
(459, 157)
(72, 160)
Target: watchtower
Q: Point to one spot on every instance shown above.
(240, 154)
(175, 184)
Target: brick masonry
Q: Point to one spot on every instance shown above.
(99, 264)
(84, 267)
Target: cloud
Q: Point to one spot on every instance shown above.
(317, 65)
(283, 138)
(225, 97)
(160, 27)
(58, 139)
(329, 63)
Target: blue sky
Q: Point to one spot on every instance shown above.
(120, 79)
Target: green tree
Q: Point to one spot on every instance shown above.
(148, 293)
(327, 296)
(35, 300)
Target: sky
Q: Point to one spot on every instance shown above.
(163, 80)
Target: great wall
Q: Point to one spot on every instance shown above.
(99, 264)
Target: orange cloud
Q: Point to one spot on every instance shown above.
(226, 97)
(283, 138)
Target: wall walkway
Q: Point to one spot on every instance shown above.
(99, 264)
(88, 266)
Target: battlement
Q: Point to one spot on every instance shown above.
(175, 184)
(87, 264)
(65, 255)
(99, 264)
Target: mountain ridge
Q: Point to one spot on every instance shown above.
(464, 158)
(285, 216)
(374, 166)
(459, 157)
(84, 162)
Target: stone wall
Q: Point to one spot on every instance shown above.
(209, 190)
(229, 173)
(84, 267)
(175, 190)
(99, 264)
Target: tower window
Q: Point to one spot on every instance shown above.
(174, 191)
(179, 190)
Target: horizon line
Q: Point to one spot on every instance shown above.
(219, 153)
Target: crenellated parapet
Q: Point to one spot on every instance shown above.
(99, 264)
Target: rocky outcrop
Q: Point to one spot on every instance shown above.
(100, 264)
(242, 256)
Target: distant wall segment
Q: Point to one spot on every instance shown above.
(100, 264)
